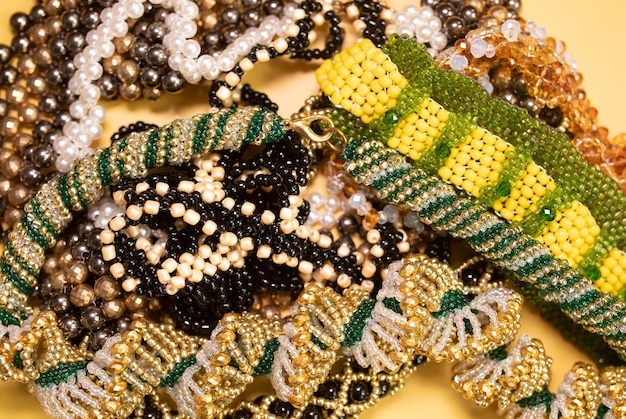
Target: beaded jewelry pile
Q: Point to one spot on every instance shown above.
(160, 275)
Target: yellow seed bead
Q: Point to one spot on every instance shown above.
(543, 177)
(496, 166)
(475, 166)
(393, 142)
(394, 91)
(367, 77)
(443, 115)
(445, 172)
(368, 109)
(432, 132)
(499, 156)
(566, 223)
(527, 192)
(515, 194)
(368, 65)
(403, 148)
(486, 161)
(449, 162)
(433, 121)
(411, 118)
(489, 150)
(397, 78)
(383, 97)
(478, 133)
(336, 98)
(433, 107)
(353, 81)
(414, 154)
(456, 180)
(389, 66)
(378, 56)
(533, 169)
(470, 175)
(477, 143)
(511, 204)
(539, 189)
(468, 185)
(380, 108)
(560, 235)
(548, 239)
(524, 202)
(483, 172)
(357, 98)
(497, 205)
(346, 103)
(481, 182)
(379, 72)
(424, 113)
(507, 214)
(458, 169)
(407, 140)
(422, 125)
(501, 145)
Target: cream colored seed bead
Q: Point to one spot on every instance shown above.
(268, 217)
(343, 251)
(373, 236)
(142, 187)
(209, 269)
(198, 264)
(108, 252)
(163, 276)
(303, 231)
(224, 94)
(151, 207)
(246, 243)
(186, 186)
(107, 236)
(191, 217)
(178, 282)
(229, 239)
(117, 270)
(117, 223)
(228, 203)
(224, 265)
(143, 244)
(367, 285)
(233, 255)
(325, 241)
(368, 270)
(287, 213)
(246, 64)
(118, 197)
(305, 267)
(280, 45)
(280, 258)
(215, 259)
(262, 55)
(209, 227)
(377, 251)
(184, 270)
(177, 210)
(292, 261)
(162, 188)
(344, 281)
(247, 208)
(196, 276)
(232, 79)
(129, 284)
(327, 271)
(204, 251)
(134, 212)
(169, 265)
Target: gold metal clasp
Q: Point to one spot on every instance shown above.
(316, 128)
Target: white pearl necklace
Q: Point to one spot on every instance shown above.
(423, 24)
(86, 127)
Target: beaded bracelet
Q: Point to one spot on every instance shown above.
(533, 179)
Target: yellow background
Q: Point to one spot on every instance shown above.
(589, 30)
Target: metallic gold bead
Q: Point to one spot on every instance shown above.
(302, 361)
(221, 359)
(301, 338)
(116, 388)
